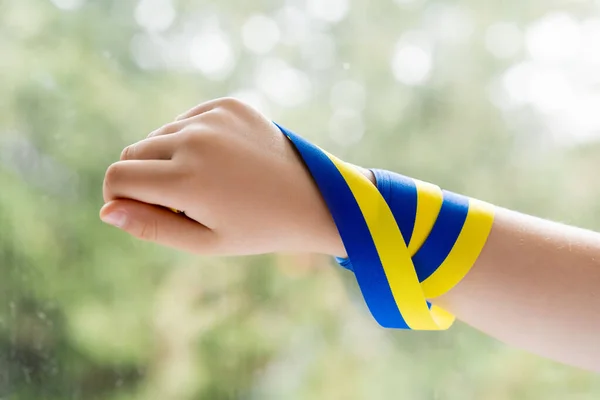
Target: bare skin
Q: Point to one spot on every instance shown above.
(244, 190)
(536, 285)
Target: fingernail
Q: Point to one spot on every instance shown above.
(116, 218)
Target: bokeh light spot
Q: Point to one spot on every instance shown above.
(260, 34)
(411, 64)
(329, 11)
(282, 83)
(554, 37)
(212, 54)
(155, 15)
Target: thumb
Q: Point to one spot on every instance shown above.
(159, 225)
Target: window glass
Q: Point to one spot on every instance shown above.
(498, 100)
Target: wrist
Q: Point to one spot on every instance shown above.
(367, 173)
(338, 249)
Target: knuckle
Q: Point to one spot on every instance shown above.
(230, 103)
(171, 127)
(184, 115)
(211, 140)
(191, 128)
(128, 152)
(148, 231)
(214, 118)
(189, 138)
(198, 137)
(166, 129)
(113, 173)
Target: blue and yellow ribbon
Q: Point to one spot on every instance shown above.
(407, 241)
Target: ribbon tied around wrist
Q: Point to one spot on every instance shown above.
(407, 241)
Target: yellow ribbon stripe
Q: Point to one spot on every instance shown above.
(429, 202)
(393, 253)
(465, 251)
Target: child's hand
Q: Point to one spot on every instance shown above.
(243, 188)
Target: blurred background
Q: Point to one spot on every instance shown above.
(499, 100)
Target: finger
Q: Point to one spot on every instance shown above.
(171, 127)
(156, 224)
(155, 148)
(202, 108)
(148, 181)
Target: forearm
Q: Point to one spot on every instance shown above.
(535, 285)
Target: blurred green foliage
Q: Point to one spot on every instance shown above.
(88, 313)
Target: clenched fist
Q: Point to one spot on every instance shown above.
(238, 179)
